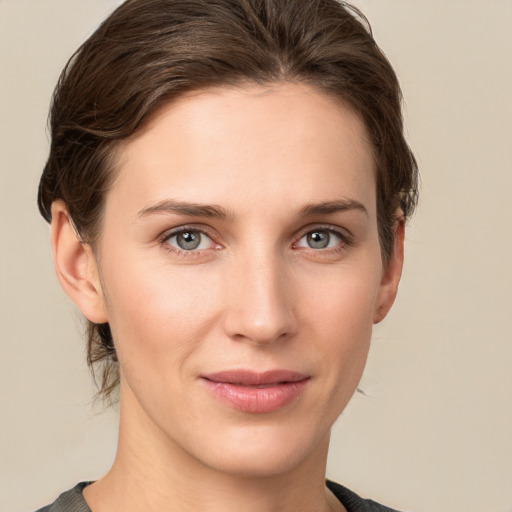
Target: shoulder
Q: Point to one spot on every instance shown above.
(69, 501)
(354, 503)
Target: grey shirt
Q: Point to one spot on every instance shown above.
(73, 500)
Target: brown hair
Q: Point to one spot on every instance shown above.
(148, 52)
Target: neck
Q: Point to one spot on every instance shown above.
(153, 473)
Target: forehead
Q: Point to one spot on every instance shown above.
(284, 143)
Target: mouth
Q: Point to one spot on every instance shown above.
(256, 392)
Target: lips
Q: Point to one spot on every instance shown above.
(256, 392)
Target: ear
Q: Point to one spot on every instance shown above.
(391, 273)
(76, 266)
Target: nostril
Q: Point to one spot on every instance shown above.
(259, 308)
(274, 329)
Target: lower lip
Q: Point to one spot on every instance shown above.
(256, 399)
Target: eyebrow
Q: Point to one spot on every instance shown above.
(170, 206)
(185, 208)
(341, 205)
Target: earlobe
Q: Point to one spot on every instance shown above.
(76, 266)
(392, 272)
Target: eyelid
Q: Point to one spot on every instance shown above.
(170, 233)
(343, 233)
(345, 236)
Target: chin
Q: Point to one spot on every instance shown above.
(262, 452)
(256, 465)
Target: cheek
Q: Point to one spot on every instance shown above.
(348, 322)
(158, 316)
(344, 298)
(340, 315)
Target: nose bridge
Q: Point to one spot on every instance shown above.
(260, 307)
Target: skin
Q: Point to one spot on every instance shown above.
(254, 295)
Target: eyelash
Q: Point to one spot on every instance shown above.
(346, 239)
(168, 235)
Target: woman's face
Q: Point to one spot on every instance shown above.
(241, 271)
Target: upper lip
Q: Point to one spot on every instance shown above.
(254, 378)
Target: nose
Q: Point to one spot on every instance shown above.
(260, 298)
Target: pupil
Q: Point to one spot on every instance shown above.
(188, 240)
(318, 239)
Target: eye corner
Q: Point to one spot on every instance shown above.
(188, 241)
(331, 239)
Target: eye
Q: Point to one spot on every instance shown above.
(189, 240)
(319, 239)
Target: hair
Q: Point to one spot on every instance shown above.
(149, 52)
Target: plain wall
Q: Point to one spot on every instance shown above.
(436, 432)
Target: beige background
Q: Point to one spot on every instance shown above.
(436, 435)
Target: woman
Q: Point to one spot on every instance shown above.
(227, 186)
